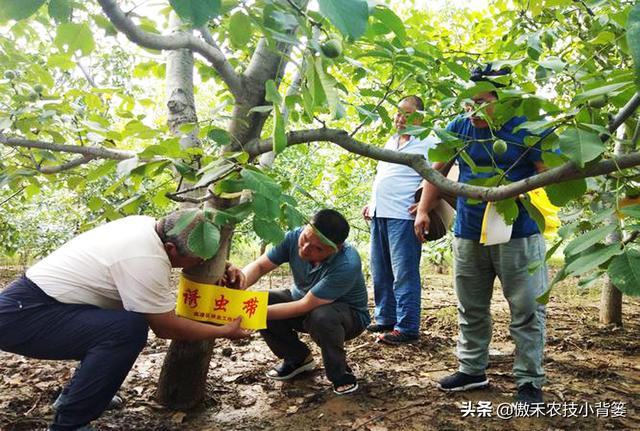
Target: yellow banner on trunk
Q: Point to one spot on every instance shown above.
(211, 303)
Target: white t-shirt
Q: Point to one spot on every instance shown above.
(121, 264)
(395, 184)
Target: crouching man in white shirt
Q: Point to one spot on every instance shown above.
(94, 300)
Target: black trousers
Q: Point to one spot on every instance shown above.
(329, 325)
(107, 342)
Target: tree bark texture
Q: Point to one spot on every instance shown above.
(182, 382)
(183, 377)
(611, 297)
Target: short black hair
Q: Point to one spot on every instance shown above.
(331, 224)
(417, 100)
(479, 74)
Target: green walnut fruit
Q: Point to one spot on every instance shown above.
(499, 146)
(598, 102)
(38, 88)
(32, 96)
(9, 74)
(332, 48)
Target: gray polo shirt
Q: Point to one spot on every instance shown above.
(339, 278)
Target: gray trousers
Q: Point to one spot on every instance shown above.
(329, 325)
(476, 267)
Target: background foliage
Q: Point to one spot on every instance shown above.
(70, 78)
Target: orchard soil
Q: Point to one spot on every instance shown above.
(585, 363)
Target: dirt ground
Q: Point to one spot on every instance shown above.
(592, 371)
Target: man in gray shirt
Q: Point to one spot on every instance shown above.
(328, 299)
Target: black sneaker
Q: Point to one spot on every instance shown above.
(374, 327)
(115, 403)
(396, 337)
(286, 370)
(459, 381)
(529, 394)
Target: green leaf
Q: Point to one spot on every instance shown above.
(544, 298)
(261, 183)
(294, 217)
(182, 223)
(328, 86)
(592, 258)
(105, 24)
(580, 145)
(554, 63)
(265, 207)
(552, 250)
(220, 136)
(267, 230)
(62, 61)
(234, 215)
(461, 71)
(215, 171)
(624, 271)
(279, 134)
(588, 239)
(391, 21)
(272, 95)
(263, 109)
(441, 153)
(204, 240)
(508, 209)
(603, 38)
(60, 10)
(196, 12)
(633, 40)
(18, 9)
(534, 213)
(348, 16)
(600, 91)
(561, 193)
(239, 30)
(631, 211)
(72, 37)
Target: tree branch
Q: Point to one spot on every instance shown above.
(93, 152)
(176, 41)
(177, 198)
(566, 172)
(12, 196)
(627, 111)
(65, 166)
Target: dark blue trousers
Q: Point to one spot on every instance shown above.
(107, 342)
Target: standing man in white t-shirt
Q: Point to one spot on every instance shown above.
(94, 300)
(395, 249)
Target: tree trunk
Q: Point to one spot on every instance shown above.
(611, 304)
(611, 297)
(183, 377)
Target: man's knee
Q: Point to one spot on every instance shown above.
(279, 296)
(134, 330)
(323, 321)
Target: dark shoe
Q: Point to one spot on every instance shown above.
(346, 388)
(459, 381)
(83, 428)
(115, 403)
(529, 394)
(374, 327)
(346, 385)
(396, 337)
(286, 370)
